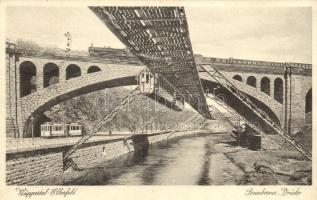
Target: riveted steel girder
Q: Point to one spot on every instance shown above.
(159, 37)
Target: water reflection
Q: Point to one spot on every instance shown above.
(188, 161)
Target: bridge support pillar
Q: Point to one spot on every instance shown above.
(62, 72)
(298, 88)
(140, 144)
(258, 84)
(272, 88)
(39, 76)
(11, 94)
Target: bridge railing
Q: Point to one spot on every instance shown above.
(250, 62)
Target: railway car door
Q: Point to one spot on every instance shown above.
(146, 82)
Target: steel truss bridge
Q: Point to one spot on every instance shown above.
(159, 37)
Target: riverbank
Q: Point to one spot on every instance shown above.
(30, 166)
(280, 165)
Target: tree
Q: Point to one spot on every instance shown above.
(28, 47)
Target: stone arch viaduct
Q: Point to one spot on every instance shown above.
(36, 83)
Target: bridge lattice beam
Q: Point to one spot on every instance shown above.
(134, 26)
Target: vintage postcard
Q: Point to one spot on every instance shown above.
(158, 100)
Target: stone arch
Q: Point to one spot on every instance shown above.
(93, 69)
(308, 101)
(265, 85)
(50, 74)
(251, 80)
(241, 108)
(72, 71)
(35, 124)
(58, 95)
(278, 90)
(27, 78)
(237, 77)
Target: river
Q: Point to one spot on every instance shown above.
(187, 161)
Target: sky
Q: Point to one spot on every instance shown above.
(281, 34)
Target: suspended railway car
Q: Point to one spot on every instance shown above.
(61, 130)
(148, 82)
(159, 89)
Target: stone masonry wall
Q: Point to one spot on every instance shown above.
(28, 168)
(94, 154)
(299, 89)
(31, 167)
(11, 100)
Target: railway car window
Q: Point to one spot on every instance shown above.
(74, 128)
(152, 79)
(143, 78)
(147, 78)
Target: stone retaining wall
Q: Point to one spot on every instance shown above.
(93, 155)
(28, 168)
(31, 167)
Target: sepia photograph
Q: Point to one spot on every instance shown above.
(175, 95)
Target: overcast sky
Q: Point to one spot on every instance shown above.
(261, 33)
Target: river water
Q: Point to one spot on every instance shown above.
(188, 161)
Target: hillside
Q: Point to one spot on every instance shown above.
(89, 109)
